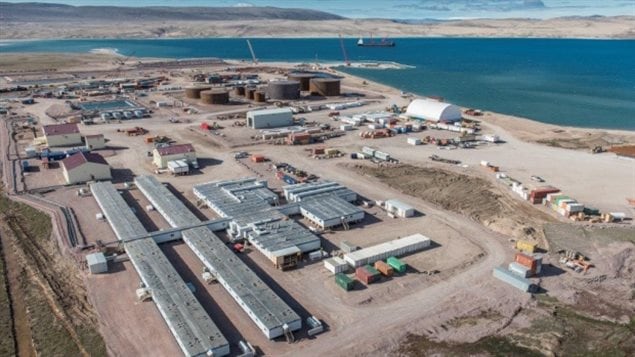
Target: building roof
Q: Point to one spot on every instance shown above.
(175, 149)
(81, 158)
(428, 109)
(286, 110)
(94, 136)
(399, 205)
(60, 129)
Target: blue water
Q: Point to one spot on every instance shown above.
(584, 83)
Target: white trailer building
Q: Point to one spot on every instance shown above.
(399, 208)
(270, 118)
(393, 248)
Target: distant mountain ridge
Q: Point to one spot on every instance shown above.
(44, 12)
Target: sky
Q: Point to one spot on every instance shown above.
(409, 9)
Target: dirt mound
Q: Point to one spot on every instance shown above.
(471, 196)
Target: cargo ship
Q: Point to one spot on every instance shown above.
(372, 43)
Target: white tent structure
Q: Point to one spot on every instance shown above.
(427, 109)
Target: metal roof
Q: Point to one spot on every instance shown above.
(175, 149)
(252, 294)
(327, 207)
(281, 235)
(191, 326)
(60, 129)
(273, 111)
(398, 205)
(80, 158)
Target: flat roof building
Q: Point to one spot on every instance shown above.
(162, 155)
(266, 309)
(193, 329)
(432, 110)
(84, 167)
(62, 135)
(269, 118)
(399, 208)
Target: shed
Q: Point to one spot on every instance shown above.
(432, 110)
(84, 167)
(270, 118)
(95, 142)
(162, 155)
(97, 263)
(399, 208)
(62, 134)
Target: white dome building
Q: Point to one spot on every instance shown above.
(427, 109)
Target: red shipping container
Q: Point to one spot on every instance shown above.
(364, 276)
(526, 260)
(257, 158)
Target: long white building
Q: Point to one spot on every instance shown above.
(191, 326)
(266, 309)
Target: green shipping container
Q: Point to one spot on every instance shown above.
(344, 281)
(369, 268)
(396, 264)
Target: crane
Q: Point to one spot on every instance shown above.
(346, 61)
(253, 54)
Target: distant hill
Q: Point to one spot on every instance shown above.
(41, 12)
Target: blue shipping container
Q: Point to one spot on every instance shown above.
(513, 279)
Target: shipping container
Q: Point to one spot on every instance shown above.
(367, 274)
(344, 281)
(397, 264)
(525, 246)
(513, 279)
(526, 260)
(384, 268)
(257, 158)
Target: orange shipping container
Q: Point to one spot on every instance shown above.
(257, 158)
(384, 268)
(527, 261)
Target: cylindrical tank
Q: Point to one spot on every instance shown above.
(303, 77)
(327, 87)
(217, 96)
(259, 96)
(249, 92)
(194, 92)
(239, 91)
(284, 90)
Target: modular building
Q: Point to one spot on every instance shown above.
(97, 263)
(84, 167)
(336, 265)
(328, 211)
(62, 135)
(513, 279)
(432, 110)
(95, 142)
(270, 118)
(382, 251)
(163, 155)
(193, 329)
(399, 208)
(265, 308)
(249, 205)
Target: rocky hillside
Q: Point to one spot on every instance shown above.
(40, 12)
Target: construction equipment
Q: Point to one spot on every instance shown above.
(346, 61)
(253, 54)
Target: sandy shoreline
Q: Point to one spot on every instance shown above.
(619, 27)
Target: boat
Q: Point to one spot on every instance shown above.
(372, 43)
